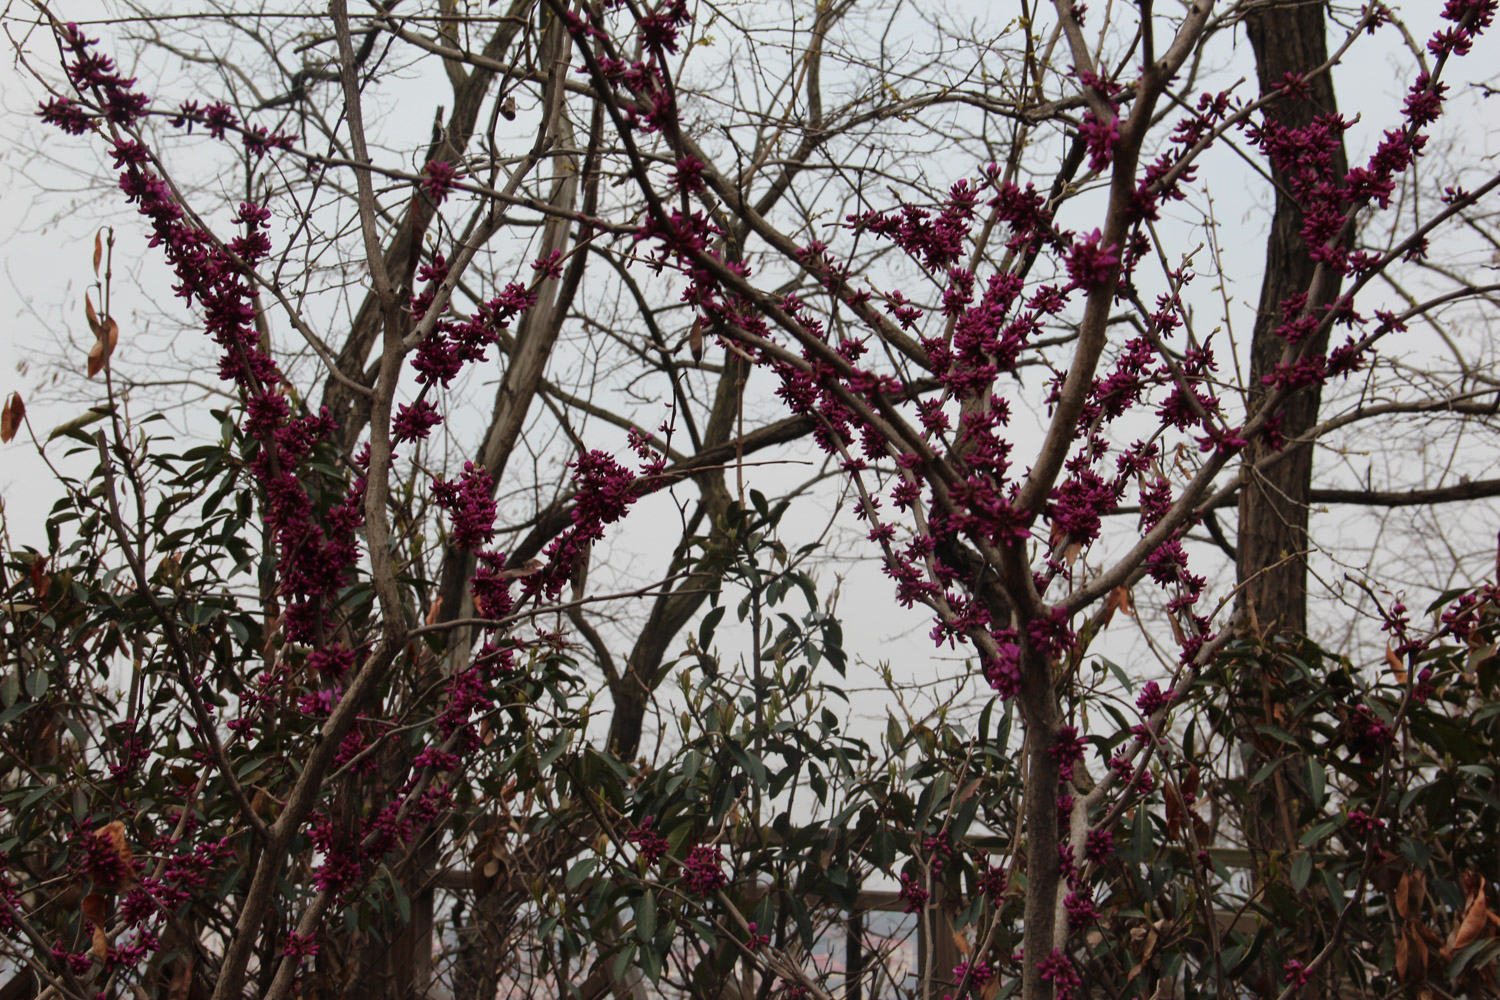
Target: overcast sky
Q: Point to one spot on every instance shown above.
(50, 213)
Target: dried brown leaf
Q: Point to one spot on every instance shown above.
(101, 944)
(1466, 931)
(11, 417)
(695, 340)
(265, 806)
(95, 908)
(1395, 662)
(1411, 956)
(93, 317)
(1177, 632)
(113, 834)
(1409, 893)
(41, 581)
(98, 250)
(1147, 949)
(527, 568)
(181, 984)
(1175, 810)
(580, 575)
(108, 336)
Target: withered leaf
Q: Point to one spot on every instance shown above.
(695, 340)
(103, 347)
(1175, 811)
(265, 806)
(580, 575)
(1411, 956)
(93, 317)
(1119, 600)
(181, 985)
(1409, 893)
(11, 417)
(95, 908)
(40, 579)
(1466, 931)
(1395, 662)
(106, 336)
(527, 568)
(113, 834)
(98, 250)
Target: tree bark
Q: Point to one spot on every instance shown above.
(1288, 37)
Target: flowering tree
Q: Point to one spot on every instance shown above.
(305, 709)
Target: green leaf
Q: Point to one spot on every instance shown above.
(1301, 871)
(403, 902)
(754, 767)
(645, 917)
(803, 920)
(1317, 783)
(1277, 733)
(622, 961)
(555, 750)
(1266, 771)
(1334, 887)
(1002, 734)
(1140, 839)
(818, 785)
(579, 872)
(893, 733)
(1410, 797)
(706, 629)
(1446, 597)
(1119, 673)
(36, 684)
(74, 428)
(651, 961)
(1261, 933)
(1462, 960)
(1317, 833)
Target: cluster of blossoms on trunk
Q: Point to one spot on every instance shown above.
(316, 539)
(953, 479)
(935, 476)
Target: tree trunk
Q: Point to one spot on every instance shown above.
(1288, 37)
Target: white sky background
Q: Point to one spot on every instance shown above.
(49, 214)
